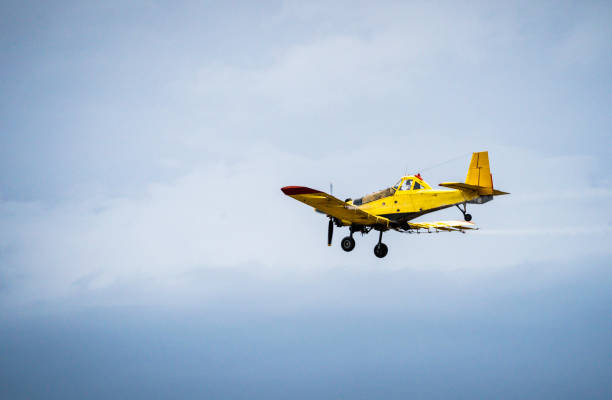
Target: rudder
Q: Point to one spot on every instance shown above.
(479, 172)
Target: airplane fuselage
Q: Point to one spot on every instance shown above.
(406, 205)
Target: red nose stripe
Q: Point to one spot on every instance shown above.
(293, 190)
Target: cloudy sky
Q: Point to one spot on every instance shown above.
(147, 251)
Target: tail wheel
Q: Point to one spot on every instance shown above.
(348, 243)
(468, 217)
(381, 250)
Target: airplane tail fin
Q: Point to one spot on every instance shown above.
(479, 172)
(478, 178)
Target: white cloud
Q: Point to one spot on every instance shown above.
(230, 216)
(362, 95)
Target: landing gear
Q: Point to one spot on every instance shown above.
(348, 243)
(466, 216)
(381, 249)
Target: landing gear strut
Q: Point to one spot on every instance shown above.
(466, 216)
(381, 249)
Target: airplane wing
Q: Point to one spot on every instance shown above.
(443, 225)
(334, 207)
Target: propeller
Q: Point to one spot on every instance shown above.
(330, 227)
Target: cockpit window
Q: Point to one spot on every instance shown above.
(417, 185)
(407, 184)
(396, 186)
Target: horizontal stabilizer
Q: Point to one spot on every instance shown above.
(482, 190)
(461, 186)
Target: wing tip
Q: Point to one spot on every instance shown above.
(293, 190)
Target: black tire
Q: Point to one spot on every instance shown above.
(381, 250)
(467, 217)
(347, 244)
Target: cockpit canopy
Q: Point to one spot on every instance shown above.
(411, 182)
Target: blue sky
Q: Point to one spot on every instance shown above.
(142, 148)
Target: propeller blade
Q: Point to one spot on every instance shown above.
(330, 231)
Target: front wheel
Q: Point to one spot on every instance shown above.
(381, 250)
(468, 217)
(348, 243)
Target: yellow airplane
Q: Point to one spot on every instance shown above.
(408, 199)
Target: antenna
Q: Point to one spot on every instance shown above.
(331, 188)
(445, 162)
(440, 164)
